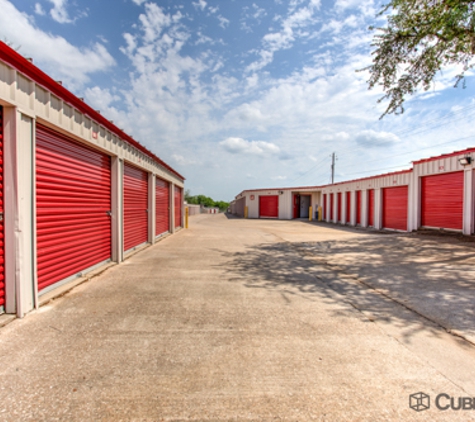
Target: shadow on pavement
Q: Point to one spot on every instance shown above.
(436, 280)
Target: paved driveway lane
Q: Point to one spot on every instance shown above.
(219, 322)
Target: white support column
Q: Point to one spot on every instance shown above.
(414, 202)
(343, 207)
(20, 210)
(151, 208)
(182, 205)
(378, 208)
(117, 212)
(353, 208)
(364, 207)
(172, 207)
(468, 202)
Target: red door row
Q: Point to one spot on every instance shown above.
(269, 206)
(73, 208)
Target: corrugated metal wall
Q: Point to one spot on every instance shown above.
(135, 206)
(239, 206)
(73, 204)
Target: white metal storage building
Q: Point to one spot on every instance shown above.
(438, 192)
(283, 203)
(77, 192)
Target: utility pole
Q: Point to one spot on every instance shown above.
(333, 167)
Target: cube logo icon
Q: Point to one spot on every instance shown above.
(419, 401)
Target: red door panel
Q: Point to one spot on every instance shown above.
(2, 246)
(338, 198)
(162, 209)
(348, 207)
(331, 206)
(178, 206)
(371, 208)
(442, 200)
(296, 202)
(358, 207)
(395, 202)
(73, 201)
(269, 206)
(135, 207)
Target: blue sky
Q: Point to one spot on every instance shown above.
(239, 94)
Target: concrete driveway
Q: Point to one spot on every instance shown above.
(252, 320)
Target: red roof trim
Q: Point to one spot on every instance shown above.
(394, 173)
(22, 65)
(450, 154)
(291, 188)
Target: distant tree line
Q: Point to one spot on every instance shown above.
(205, 201)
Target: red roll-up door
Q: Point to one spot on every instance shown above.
(348, 207)
(358, 207)
(178, 206)
(371, 208)
(162, 209)
(2, 237)
(135, 207)
(442, 201)
(324, 211)
(331, 206)
(73, 203)
(395, 202)
(269, 206)
(339, 216)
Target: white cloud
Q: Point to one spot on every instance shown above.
(65, 61)
(371, 139)
(241, 146)
(297, 19)
(223, 22)
(139, 2)
(179, 159)
(200, 4)
(39, 9)
(59, 12)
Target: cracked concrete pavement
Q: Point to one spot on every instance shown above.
(239, 319)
